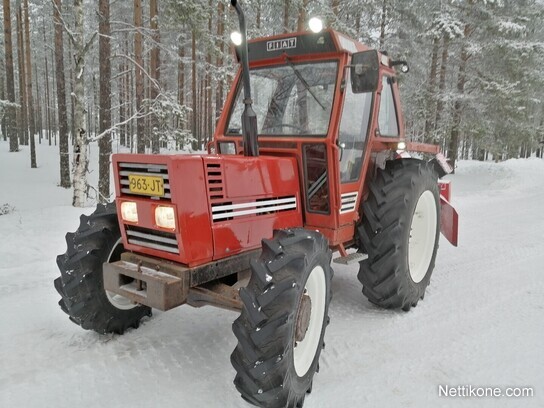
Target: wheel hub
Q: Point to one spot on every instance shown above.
(310, 318)
(303, 317)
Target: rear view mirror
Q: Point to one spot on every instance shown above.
(365, 69)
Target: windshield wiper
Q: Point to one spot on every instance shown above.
(303, 81)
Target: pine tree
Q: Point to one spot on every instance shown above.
(61, 97)
(139, 75)
(23, 103)
(11, 125)
(155, 70)
(104, 142)
(29, 96)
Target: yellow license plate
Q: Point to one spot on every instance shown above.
(147, 185)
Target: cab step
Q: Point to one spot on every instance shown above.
(351, 258)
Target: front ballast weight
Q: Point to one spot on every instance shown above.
(165, 285)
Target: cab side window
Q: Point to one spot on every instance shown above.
(387, 118)
(353, 132)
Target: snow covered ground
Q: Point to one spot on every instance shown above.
(481, 323)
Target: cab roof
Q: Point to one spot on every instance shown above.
(301, 44)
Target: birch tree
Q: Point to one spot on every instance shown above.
(81, 161)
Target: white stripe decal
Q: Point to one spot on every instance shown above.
(314, 188)
(349, 202)
(252, 204)
(348, 197)
(226, 211)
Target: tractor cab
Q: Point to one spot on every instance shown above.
(331, 103)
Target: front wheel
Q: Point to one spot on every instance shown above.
(399, 231)
(81, 284)
(281, 328)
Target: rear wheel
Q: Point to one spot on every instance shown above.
(281, 328)
(399, 231)
(81, 284)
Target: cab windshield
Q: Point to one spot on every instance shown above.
(290, 100)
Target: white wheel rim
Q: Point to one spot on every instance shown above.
(305, 351)
(422, 236)
(118, 301)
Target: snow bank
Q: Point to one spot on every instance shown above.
(480, 322)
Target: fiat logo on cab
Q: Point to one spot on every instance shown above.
(284, 44)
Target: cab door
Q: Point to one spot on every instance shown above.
(353, 134)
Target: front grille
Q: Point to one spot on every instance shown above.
(149, 238)
(143, 169)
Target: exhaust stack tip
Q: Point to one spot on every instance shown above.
(249, 118)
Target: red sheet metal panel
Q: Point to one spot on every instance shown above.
(188, 195)
(449, 221)
(260, 194)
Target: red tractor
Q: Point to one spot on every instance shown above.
(313, 161)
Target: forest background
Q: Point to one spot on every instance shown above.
(153, 74)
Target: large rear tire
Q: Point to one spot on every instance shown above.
(399, 232)
(281, 328)
(81, 284)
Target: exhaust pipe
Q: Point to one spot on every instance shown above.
(249, 118)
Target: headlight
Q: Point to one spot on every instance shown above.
(129, 211)
(164, 217)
